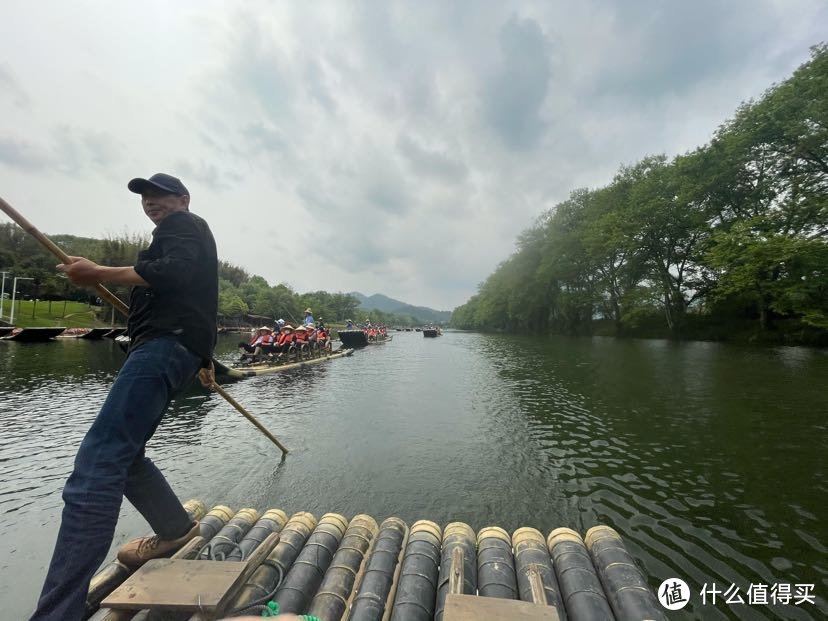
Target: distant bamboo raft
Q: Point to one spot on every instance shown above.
(355, 570)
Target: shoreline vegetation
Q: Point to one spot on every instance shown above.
(245, 300)
(727, 242)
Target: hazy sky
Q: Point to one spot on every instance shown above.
(392, 147)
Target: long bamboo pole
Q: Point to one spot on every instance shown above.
(247, 415)
(117, 303)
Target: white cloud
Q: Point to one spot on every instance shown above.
(374, 146)
(10, 88)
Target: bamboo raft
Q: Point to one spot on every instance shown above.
(32, 335)
(356, 570)
(359, 338)
(89, 334)
(224, 372)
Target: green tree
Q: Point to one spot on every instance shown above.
(672, 221)
(343, 306)
(232, 305)
(779, 273)
(232, 273)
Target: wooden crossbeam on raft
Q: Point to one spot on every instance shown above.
(176, 584)
(474, 608)
(184, 585)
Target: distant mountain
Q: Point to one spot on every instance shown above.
(385, 304)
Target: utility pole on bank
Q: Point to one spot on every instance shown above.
(14, 293)
(3, 292)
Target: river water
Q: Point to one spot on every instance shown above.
(709, 459)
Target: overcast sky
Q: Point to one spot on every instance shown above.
(391, 147)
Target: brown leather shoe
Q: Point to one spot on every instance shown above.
(138, 551)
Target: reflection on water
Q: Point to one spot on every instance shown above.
(709, 459)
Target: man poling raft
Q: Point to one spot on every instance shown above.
(172, 325)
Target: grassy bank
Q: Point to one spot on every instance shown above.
(56, 313)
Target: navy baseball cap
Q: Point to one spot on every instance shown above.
(159, 181)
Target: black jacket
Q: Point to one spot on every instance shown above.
(181, 268)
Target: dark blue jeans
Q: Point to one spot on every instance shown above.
(111, 464)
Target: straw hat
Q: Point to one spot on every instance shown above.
(265, 328)
(287, 326)
(301, 329)
(310, 326)
(307, 310)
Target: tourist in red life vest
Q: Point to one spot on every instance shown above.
(322, 336)
(262, 344)
(285, 339)
(255, 342)
(301, 334)
(311, 334)
(266, 341)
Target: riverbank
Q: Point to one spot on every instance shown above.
(788, 332)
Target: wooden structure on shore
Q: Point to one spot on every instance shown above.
(357, 570)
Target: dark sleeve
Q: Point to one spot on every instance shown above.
(180, 242)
